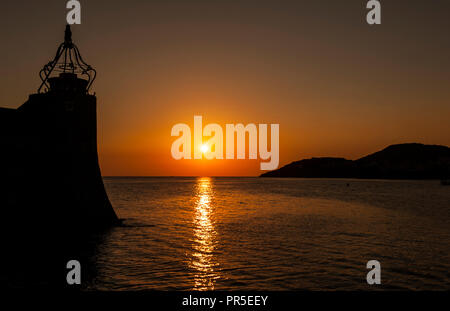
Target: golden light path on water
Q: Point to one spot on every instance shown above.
(203, 260)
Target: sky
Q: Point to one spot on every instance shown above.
(335, 85)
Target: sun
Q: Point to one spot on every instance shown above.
(204, 148)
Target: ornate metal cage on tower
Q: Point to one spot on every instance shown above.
(68, 60)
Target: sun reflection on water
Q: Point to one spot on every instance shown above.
(203, 260)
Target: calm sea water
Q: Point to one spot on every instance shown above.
(274, 234)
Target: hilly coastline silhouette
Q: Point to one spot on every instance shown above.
(401, 161)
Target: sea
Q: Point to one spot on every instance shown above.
(273, 234)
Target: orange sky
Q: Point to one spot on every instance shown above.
(336, 86)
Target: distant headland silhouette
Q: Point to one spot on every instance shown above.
(402, 161)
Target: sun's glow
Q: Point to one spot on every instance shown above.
(204, 148)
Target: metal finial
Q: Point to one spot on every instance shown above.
(68, 35)
(67, 60)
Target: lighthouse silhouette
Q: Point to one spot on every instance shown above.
(51, 188)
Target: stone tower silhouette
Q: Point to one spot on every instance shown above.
(50, 177)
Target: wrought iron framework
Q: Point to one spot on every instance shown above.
(67, 60)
